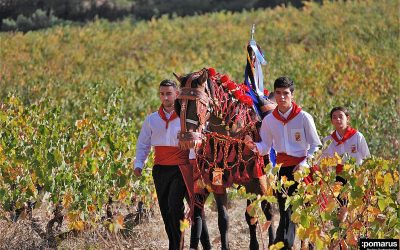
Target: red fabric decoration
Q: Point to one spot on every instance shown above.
(224, 78)
(211, 72)
(231, 85)
(295, 111)
(162, 115)
(339, 168)
(244, 87)
(246, 100)
(266, 93)
(348, 134)
(238, 94)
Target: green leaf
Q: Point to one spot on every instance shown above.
(305, 220)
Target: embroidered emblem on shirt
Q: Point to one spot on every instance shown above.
(297, 136)
(353, 149)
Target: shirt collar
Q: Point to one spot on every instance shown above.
(167, 115)
(338, 135)
(286, 115)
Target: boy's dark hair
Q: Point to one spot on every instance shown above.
(168, 83)
(284, 82)
(343, 109)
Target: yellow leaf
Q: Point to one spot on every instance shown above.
(346, 167)
(78, 225)
(388, 182)
(295, 217)
(336, 188)
(379, 178)
(82, 123)
(67, 199)
(183, 224)
(396, 175)
(122, 194)
(331, 205)
(154, 196)
(91, 208)
(251, 209)
(277, 246)
(242, 190)
(301, 231)
(120, 220)
(373, 210)
(338, 158)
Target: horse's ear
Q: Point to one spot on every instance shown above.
(204, 75)
(179, 78)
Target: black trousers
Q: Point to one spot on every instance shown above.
(171, 190)
(287, 229)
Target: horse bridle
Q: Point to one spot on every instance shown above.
(203, 100)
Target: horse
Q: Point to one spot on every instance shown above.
(216, 115)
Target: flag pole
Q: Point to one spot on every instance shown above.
(253, 30)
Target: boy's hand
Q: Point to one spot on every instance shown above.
(249, 142)
(137, 172)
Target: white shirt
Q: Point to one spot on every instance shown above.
(297, 138)
(154, 133)
(356, 146)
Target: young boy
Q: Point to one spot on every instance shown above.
(294, 136)
(345, 139)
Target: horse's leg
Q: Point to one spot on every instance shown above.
(259, 186)
(204, 237)
(199, 230)
(267, 209)
(223, 219)
(253, 230)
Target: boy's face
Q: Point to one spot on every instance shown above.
(168, 95)
(284, 98)
(339, 120)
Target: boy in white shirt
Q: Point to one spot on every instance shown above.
(294, 136)
(171, 170)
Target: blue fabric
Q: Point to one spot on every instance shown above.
(272, 157)
(254, 96)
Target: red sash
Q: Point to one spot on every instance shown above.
(295, 111)
(174, 156)
(162, 115)
(168, 155)
(347, 135)
(288, 160)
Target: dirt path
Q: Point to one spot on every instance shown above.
(148, 235)
(154, 236)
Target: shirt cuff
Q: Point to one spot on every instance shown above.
(138, 165)
(304, 163)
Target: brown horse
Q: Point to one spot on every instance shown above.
(216, 115)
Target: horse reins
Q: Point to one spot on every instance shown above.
(202, 100)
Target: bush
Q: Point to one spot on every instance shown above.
(8, 25)
(39, 20)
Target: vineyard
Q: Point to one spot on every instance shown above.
(73, 99)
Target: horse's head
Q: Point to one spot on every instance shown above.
(192, 106)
